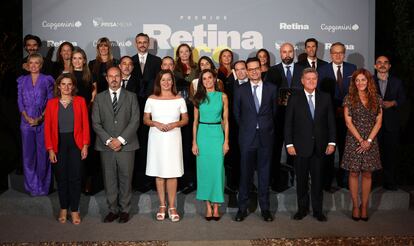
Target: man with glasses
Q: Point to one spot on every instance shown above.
(255, 111)
(334, 78)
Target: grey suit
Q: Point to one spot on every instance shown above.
(117, 166)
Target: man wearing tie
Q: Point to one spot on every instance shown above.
(128, 80)
(309, 136)
(334, 79)
(311, 49)
(255, 111)
(286, 76)
(146, 69)
(115, 120)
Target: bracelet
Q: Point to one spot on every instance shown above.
(369, 140)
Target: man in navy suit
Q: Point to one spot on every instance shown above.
(309, 137)
(286, 75)
(255, 111)
(334, 78)
(392, 92)
(311, 49)
(146, 69)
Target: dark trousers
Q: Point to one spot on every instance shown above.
(388, 143)
(303, 167)
(329, 166)
(68, 172)
(258, 156)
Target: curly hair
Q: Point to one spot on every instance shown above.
(370, 90)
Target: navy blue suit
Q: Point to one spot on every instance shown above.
(256, 136)
(389, 135)
(319, 63)
(327, 83)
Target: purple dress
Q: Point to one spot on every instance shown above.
(32, 100)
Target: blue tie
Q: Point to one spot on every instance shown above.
(256, 99)
(288, 75)
(311, 106)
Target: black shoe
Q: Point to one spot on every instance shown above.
(355, 218)
(216, 218)
(123, 217)
(188, 189)
(208, 218)
(391, 187)
(240, 216)
(300, 215)
(267, 216)
(364, 219)
(320, 217)
(110, 217)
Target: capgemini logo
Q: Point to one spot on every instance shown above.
(78, 24)
(355, 27)
(57, 25)
(97, 22)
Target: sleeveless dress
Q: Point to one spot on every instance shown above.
(165, 152)
(210, 139)
(363, 120)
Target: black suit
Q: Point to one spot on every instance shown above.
(256, 136)
(276, 75)
(132, 84)
(145, 89)
(389, 134)
(319, 63)
(310, 137)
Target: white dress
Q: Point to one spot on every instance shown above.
(165, 152)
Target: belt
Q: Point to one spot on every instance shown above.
(210, 123)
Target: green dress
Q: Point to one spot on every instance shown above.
(210, 160)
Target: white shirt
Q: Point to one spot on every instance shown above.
(310, 62)
(291, 67)
(242, 81)
(118, 92)
(142, 57)
(335, 69)
(258, 90)
(125, 81)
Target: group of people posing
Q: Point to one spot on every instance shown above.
(235, 120)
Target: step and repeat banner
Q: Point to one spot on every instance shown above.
(244, 26)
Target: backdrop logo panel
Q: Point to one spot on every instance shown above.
(244, 26)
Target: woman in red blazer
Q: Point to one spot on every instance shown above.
(67, 140)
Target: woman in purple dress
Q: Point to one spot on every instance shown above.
(33, 92)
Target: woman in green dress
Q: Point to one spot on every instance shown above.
(210, 141)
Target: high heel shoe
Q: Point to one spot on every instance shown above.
(63, 216)
(216, 218)
(173, 217)
(366, 218)
(76, 219)
(161, 215)
(355, 218)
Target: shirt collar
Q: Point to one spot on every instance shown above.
(307, 93)
(117, 91)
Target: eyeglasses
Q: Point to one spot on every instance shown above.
(253, 69)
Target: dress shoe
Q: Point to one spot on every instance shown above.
(110, 217)
(240, 216)
(267, 216)
(320, 217)
(123, 217)
(300, 215)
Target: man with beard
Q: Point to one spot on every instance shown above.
(286, 75)
(115, 120)
(32, 45)
(392, 92)
(146, 69)
(311, 48)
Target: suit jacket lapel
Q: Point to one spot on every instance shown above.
(265, 94)
(121, 99)
(306, 104)
(250, 96)
(317, 105)
(108, 102)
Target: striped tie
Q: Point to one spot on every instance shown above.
(114, 102)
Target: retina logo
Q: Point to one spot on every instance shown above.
(293, 26)
(100, 22)
(56, 25)
(53, 43)
(347, 46)
(344, 27)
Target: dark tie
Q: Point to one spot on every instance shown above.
(256, 99)
(311, 106)
(114, 102)
(339, 79)
(288, 76)
(313, 64)
(123, 83)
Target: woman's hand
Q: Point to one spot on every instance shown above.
(226, 148)
(84, 152)
(194, 149)
(52, 156)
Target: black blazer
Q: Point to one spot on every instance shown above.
(247, 118)
(132, 84)
(309, 136)
(276, 75)
(394, 91)
(319, 63)
(151, 70)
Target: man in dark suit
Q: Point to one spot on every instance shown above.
(255, 111)
(309, 136)
(311, 49)
(334, 79)
(286, 75)
(393, 95)
(146, 69)
(128, 80)
(115, 120)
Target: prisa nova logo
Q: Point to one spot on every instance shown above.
(66, 24)
(293, 26)
(344, 27)
(99, 22)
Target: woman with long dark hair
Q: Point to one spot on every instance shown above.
(63, 59)
(225, 70)
(264, 57)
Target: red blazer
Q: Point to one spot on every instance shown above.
(81, 123)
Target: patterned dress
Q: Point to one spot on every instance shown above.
(363, 120)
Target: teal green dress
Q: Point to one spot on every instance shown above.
(210, 160)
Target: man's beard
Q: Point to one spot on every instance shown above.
(287, 60)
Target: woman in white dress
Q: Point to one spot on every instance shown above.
(165, 112)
